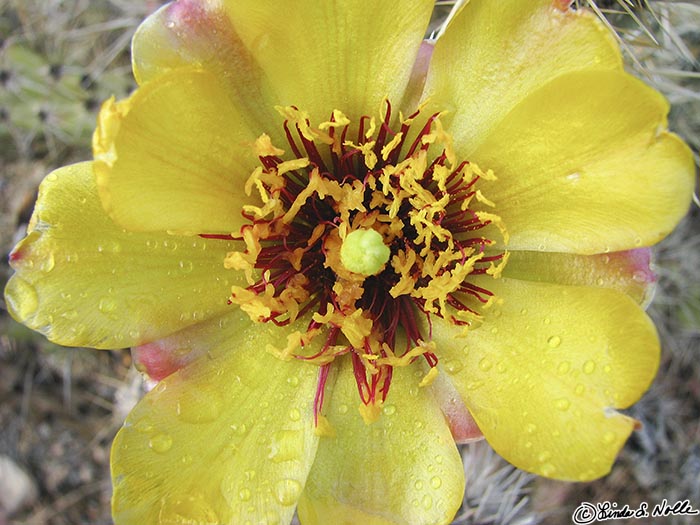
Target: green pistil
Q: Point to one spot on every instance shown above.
(364, 252)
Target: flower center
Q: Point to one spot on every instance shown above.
(362, 237)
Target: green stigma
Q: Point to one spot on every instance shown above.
(364, 252)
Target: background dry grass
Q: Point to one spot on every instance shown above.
(60, 408)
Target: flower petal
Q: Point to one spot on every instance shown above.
(199, 33)
(174, 156)
(629, 272)
(321, 56)
(495, 53)
(403, 468)
(228, 439)
(584, 165)
(544, 372)
(83, 281)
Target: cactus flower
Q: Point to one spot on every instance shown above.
(341, 249)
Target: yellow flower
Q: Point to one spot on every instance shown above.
(304, 209)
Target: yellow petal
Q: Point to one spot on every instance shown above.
(403, 468)
(321, 56)
(83, 281)
(495, 53)
(584, 165)
(544, 373)
(228, 439)
(629, 272)
(199, 33)
(174, 156)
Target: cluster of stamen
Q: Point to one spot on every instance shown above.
(406, 185)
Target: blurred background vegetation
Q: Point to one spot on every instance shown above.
(59, 409)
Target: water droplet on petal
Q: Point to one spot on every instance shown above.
(563, 404)
(160, 443)
(547, 469)
(427, 502)
(530, 428)
(286, 445)
(144, 426)
(244, 494)
(22, 299)
(107, 305)
(485, 364)
(294, 414)
(579, 390)
(418, 484)
(343, 409)
(185, 510)
(589, 367)
(48, 263)
(390, 410)
(435, 482)
(186, 266)
(554, 341)
(453, 366)
(563, 367)
(287, 492)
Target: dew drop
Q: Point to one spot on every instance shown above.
(244, 494)
(563, 367)
(294, 414)
(286, 445)
(639, 277)
(547, 469)
(343, 409)
(485, 364)
(607, 369)
(287, 492)
(196, 408)
(501, 367)
(185, 510)
(160, 443)
(530, 428)
(390, 410)
(240, 429)
(554, 341)
(435, 482)
(293, 381)
(547, 321)
(22, 299)
(144, 426)
(186, 459)
(563, 404)
(186, 266)
(107, 305)
(579, 390)
(589, 367)
(48, 263)
(418, 484)
(427, 502)
(543, 456)
(453, 366)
